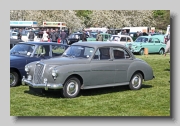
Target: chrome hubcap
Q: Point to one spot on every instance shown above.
(12, 78)
(136, 81)
(72, 88)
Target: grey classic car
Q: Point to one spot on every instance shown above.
(87, 65)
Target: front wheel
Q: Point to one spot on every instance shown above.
(71, 88)
(14, 78)
(136, 81)
(141, 52)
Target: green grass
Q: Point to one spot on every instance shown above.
(152, 100)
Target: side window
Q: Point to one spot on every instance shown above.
(106, 36)
(43, 50)
(128, 39)
(156, 40)
(151, 40)
(57, 50)
(120, 53)
(102, 54)
(123, 39)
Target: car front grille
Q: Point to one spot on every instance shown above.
(38, 73)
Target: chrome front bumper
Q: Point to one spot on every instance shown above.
(46, 86)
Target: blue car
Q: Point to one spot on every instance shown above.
(26, 52)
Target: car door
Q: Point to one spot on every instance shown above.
(151, 45)
(102, 67)
(122, 61)
(147, 43)
(157, 45)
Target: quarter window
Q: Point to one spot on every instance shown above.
(120, 53)
(128, 39)
(157, 40)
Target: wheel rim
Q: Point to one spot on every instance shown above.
(142, 52)
(72, 88)
(12, 78)
(161, 52)
(136, 81)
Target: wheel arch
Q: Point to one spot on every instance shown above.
(137, 71)
(77, 76)
(16, 70)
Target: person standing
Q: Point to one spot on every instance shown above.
(19, 35)
(54, 36)
(63, 36)
(84, 36)
(45, 37)
(31, 35)
(167, 45)
(99, 37)
(167, 48)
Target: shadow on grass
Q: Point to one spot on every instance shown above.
(87, 92)
(166, 69)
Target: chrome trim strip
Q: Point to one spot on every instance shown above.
(45, 86)
(105, 85)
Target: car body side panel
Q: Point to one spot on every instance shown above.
(122, 66)
(103, 72)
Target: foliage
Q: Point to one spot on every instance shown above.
(152, 100)
(78, 19)
(162, 18)
(84, 14)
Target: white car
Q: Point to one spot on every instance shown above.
(121, 39)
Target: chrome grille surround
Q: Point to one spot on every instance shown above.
(38, 73)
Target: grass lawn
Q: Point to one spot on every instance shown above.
(152, 100)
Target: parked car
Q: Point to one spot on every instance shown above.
(105, 36)
(13, 42)
(26, 52)
(152, 43)
(87, 65)
(121, 39)
(75, 37)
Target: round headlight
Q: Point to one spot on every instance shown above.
(27, 68)
(54, 73)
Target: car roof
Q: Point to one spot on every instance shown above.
(145, 36)
(42, 43)
(121, 35)
(97, 44)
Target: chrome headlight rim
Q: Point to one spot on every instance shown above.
(27, 68)
(54, 72)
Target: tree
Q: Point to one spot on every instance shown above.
(162, 18)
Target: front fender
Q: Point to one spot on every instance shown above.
(65, 71)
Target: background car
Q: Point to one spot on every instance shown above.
(13, 42)
(75, 37)
(26, 52)
(105, 36)
(87, 65)
(152, 43)
(121, 39)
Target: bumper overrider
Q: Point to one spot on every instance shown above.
(45, 85)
